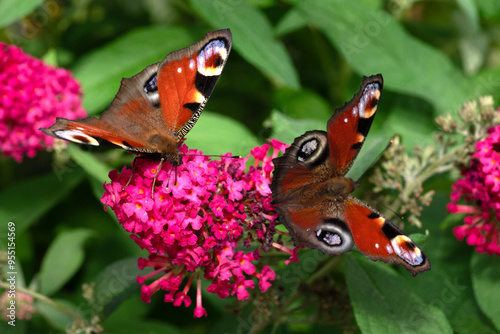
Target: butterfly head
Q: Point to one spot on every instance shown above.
(167, 148)
(175, 158)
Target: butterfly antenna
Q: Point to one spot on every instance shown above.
(214, 156)
(156, 175)
(386, 207)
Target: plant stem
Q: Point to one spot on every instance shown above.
(48, 301)
(426, 174)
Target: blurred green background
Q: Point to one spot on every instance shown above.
(292, 64)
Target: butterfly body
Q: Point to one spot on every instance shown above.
(313, 197)
(154, 109)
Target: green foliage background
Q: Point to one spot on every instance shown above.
(292, 63)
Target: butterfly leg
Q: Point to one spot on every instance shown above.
(132, 175)
(133, 169)
(156, 175)
(168, 178)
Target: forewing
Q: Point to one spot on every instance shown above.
(349, 125)
(155, 108)
(132, 119)
(187, 77)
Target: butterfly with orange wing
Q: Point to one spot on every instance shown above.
(154, 109)
(312, 195)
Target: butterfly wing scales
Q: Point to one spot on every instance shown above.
(292, 179)
(201, 64)
(299, 193)
(305, 220)
(379, 239)
(92, 131)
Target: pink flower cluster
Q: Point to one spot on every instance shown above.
(480, 188)
(31, 95)
(24, 307)
(191, 228)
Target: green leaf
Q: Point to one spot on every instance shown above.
(13, 10)
(98, 190)
(286, 129)
(116, 283)
(487, 82)
(490, 9)
(485, 270)
(62, 260)
(410, 117)
(218, 134)
(129, 317)
(89, 163)
(55, 316)
(50, 57)
(126, 326)
(253, 38)
(469, 8)
(419, 238)
(371, 151)
(101, 71)
(302, 104)
(27, 200)
(290, 22)
(373, 42)
(19, 328)
(384, 303)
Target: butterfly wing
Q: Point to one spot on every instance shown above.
(153, 110)
(349, 125)
(298, 167)
(379, 239)
(95, 132)
(314, 158)
(296, 186)
(131, 120)
(187, 77)
(334, 227)
(311, 194)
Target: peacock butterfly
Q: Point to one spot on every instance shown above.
(153, 110)
(312, 195)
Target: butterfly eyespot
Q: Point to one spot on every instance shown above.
(212, 57)
(307, 149)
(332, 239)
(334, 236)
(310, 149)
(410, 244)
(368, 103)
(151, 84)
(406, 249)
